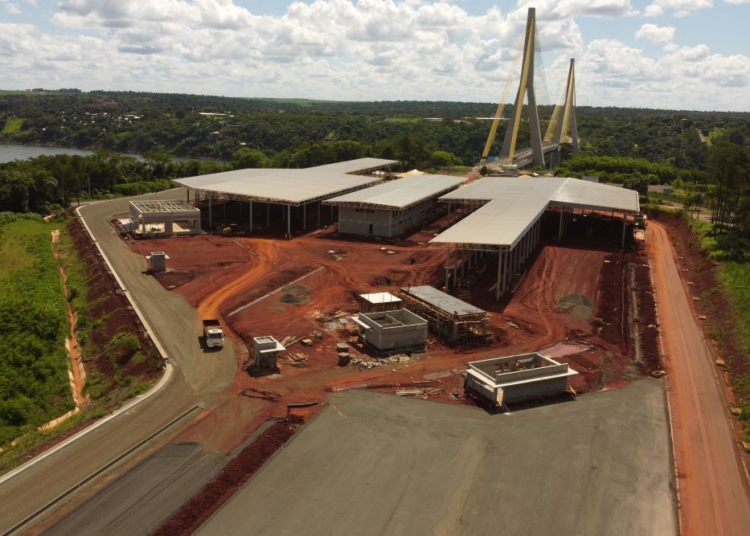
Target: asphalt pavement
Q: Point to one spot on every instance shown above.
(197, 379)
(379, 464)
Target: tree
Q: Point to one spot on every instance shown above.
(246, 157)
(443, 159)
(15, 190)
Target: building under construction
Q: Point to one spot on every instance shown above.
(449, 318)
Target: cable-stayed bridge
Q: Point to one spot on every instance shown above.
(562, 126)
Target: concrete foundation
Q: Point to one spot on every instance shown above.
(518, 378)
(393, 331)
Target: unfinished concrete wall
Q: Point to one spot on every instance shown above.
(364, 221)
(541, 388)
(393, 330)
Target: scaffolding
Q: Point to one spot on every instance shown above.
(448, 318)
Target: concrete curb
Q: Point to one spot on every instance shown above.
(163, 381)
(99, 471)
(137, 400)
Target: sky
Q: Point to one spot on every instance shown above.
(673, 54)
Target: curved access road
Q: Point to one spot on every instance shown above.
(713, 498)
(197, 378)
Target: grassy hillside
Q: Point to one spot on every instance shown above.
(33, 362)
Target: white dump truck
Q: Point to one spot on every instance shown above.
(213, 333)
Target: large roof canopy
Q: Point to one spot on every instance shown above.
(398, 194)
(514, 204)
(288, 186)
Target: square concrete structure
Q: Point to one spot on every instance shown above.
(164, 218)
(378, 302)
(393, 331)
(265, 351)
(517, 378)
(158, 261)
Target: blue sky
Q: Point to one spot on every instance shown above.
(677, 54)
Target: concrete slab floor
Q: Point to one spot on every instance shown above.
(380, 464)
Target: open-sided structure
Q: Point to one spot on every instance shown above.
(164, 218)
(392, 331)
(288, 188)
(517, 378)
(449, 318)
(509, 218)
(392, 208)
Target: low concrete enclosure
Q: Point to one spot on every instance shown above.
(393, 331)
(164, 218)
(517, 378)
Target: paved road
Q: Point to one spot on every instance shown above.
(379, 464)
(198, 378)
(713, 496)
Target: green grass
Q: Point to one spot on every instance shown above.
(13, 126)
(34, 384)
(735, 279)
(734, 282)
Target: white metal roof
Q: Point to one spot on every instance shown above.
(380, 297)
(441, 300)
(514, 204)
(399, 194)
(288, 186)
(166, 206)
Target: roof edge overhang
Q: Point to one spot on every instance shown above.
(217, 194)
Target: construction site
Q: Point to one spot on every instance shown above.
(503, 265)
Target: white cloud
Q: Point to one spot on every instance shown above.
(11, 7)
(681, 8)
(555, 9)
(655, 34)
(366, 49)
(737, 1)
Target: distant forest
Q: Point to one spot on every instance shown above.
(293, 132)
(706, 151)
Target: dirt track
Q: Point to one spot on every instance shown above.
(712, 491)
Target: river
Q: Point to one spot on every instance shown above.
(8, 153)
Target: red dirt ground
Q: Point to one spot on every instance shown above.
(110, 313)
(224, 274)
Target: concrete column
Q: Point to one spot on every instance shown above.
(624, 226)
(500, 276)
(526, 246)
(455, 270)
(251, 216)
(447, 266)
(507, 276)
